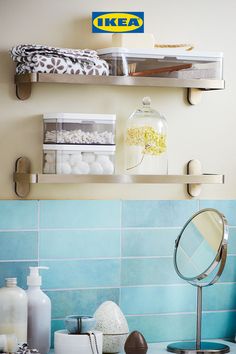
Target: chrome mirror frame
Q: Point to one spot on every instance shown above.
(198, 346)
(220, 257)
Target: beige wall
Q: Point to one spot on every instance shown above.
(206, 132)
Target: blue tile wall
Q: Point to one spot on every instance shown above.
(120, 251)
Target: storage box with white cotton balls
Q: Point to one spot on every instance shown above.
(78, 159)
(79, 128)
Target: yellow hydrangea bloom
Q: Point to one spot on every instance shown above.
(153, 142)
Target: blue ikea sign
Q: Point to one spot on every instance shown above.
(118, 22)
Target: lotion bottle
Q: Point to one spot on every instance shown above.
(39, 313)
(13, 310)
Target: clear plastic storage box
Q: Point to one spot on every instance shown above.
(79, 128)
(163, 62)
(64, 159)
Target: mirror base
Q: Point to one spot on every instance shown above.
(190, 347)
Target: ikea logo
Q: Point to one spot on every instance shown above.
(117, 22)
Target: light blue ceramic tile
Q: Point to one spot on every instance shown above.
(167, 213)
(229, 272)
(80, 302)
(56, 325)
(79, 214)
(218, 325)
(232, 241)
(79, 244)
(158, 299)
(147, 271)
(18, 214)
(227, 207)
(18, 270)
(18, 245)
(81, 274)
(163, 328)
(219, 297)
(144, 242)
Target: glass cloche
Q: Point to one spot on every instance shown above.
(146, 142)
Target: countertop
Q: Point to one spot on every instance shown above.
(160, 348)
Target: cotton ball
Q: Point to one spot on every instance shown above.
(108, 167)
(65, 168)
(49, 167)
(49, 157)
(75, 158)
(102, 158)
(96, 168)
(83, 167)
(76, 170)
(88, 157)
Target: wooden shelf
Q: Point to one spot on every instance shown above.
(24, 82)
(23, 178)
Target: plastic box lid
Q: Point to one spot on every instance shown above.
(161, 53)
(70, 117)
(92, 148)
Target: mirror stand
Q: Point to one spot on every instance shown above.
(198, 346)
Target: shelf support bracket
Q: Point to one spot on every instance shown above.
(194, 168)
(194, 96)
(22, 186)
(23, 90)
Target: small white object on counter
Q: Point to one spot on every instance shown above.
(112, 322)
(78, 343)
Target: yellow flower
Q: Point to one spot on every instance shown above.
(153, 142)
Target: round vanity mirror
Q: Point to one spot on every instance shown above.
(199, 258)
(199, 245)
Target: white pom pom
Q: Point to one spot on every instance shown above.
(88, 157)
(96, 168)
(76, 170)
(102, 158)
(83, 167)
(108, 167)
(65, 168)
(49, 157)
(75, 158)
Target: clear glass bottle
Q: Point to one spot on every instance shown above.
(146, 142)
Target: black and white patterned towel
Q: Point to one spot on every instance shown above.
(44, 59)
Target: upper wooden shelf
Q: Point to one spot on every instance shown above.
(24, 82)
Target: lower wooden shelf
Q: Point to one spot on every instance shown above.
(22, 178)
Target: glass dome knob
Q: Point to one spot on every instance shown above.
(146, 101)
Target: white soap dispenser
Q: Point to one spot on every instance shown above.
(39, 313)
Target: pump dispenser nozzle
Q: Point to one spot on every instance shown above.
(34, 279)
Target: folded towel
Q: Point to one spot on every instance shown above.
(43, 59)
